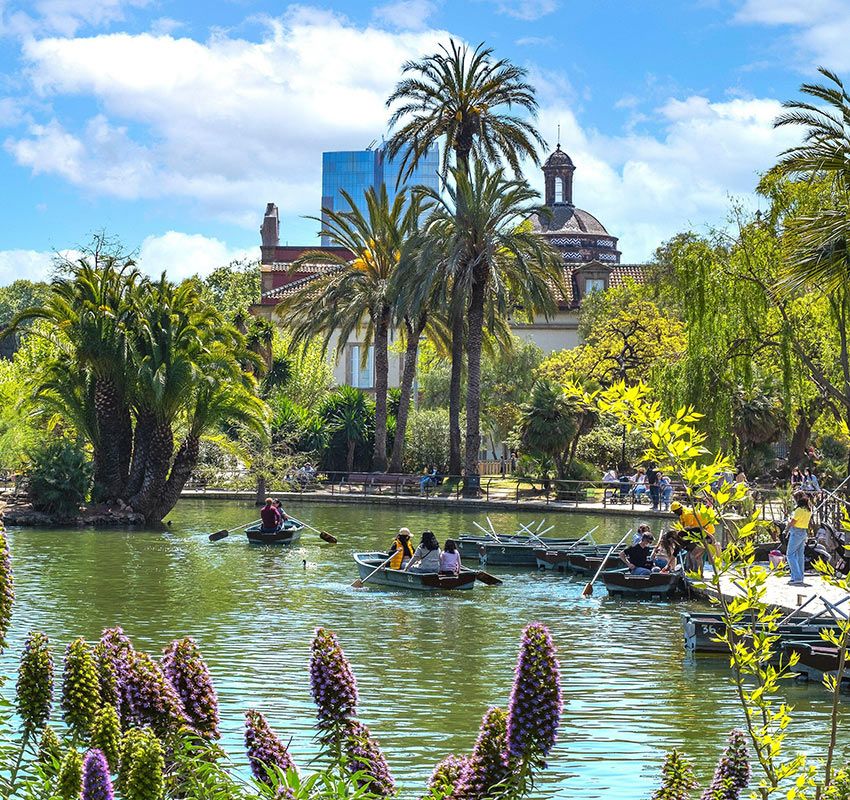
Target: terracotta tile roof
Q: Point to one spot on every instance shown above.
(284, 266)
(620, 273)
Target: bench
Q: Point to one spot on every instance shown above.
(378, 480)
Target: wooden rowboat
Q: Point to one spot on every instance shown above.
(507, 552)
(704, 627)
(816, 660)
(290, 533)
(581, 561)
(658, 584)
(398, 579)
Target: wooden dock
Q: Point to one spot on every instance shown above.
(789, 598)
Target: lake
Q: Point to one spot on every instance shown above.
(428, 665)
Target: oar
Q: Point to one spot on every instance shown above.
(486, 577)
(531, 535)
(328, 537)
(577, 542)
(588, 590)
(358, 584)
(224, 533)
(485, 531)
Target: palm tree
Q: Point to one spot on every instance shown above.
(820, 255)
(465, 98)
(499, 265)
(355, 296)
(91, 307)
(347, 413)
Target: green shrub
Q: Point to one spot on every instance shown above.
(427, 440)
(60, 478)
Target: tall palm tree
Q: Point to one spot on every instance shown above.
(465, 97)
(499, 265)
(820, 256)
(355, 296)
(91, 306)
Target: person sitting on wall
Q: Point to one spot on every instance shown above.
(270, 517)
(638, 557)
(401, 549)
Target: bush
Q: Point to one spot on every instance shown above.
(603, 446)
(60, 478)
(427, 440)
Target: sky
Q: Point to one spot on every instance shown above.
(170, 124)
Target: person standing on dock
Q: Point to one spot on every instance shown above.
(798, 534)
(697, 524)
(652, 480)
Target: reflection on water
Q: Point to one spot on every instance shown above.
(428, 665)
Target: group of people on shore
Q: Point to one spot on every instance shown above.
(427, 557)
(647, 481)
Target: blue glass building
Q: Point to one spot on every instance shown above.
(356, 170)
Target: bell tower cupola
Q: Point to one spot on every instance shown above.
(558, 175)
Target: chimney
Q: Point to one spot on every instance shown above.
(270, 231)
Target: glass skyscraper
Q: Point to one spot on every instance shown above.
(356, 170)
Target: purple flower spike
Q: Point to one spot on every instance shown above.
(7, 587)
(150, 699)
(732, 775)
(331, 681)
(446, 776)
(263, 747)
(96, 783)
(534, 711)
(185, 669)
(284, 793)
(485, 768)
(114, 653)
(364, 755)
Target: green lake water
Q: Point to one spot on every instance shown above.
(428, 665)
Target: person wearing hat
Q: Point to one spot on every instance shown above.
(401, 549)
(695, 523)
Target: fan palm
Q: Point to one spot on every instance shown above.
(499, 265)
(820, 253)
(355, 296)
(466, 98)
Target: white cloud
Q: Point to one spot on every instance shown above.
(527, 10)
(405, 14)
(229, 124)
(34, 265)
(820, 29)
(64, 17)
(184, 254)
(645, 188)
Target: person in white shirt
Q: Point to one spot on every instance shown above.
(426, 557)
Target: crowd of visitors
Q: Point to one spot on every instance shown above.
(648, 483)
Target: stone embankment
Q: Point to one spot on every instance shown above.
(19, 512)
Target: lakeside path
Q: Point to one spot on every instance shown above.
(789, 598)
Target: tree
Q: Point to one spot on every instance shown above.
(499, 265)
(462, 98)
(820, 255)
(349, 416)
(18, 295)
(234, 288)
(356, 296)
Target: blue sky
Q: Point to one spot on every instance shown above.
(172, 124)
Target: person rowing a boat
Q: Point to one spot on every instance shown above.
(269, 517)
(638, 557)
(283, 517)
(401, 550)
(426, 558)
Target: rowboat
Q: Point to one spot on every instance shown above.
(583, 562)
(816, 659)
(398, 579)
(290, 533)
(658, 584)
(702, 629)
(512, 551)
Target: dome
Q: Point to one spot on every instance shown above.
(569, 219)
(559, 158)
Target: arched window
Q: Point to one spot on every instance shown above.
(559, 190)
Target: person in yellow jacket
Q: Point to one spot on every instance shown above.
(693, 521)
(401, 549)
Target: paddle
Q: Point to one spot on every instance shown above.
(485, 531)
(588, 589)
(577, 542)
(486, 577)
(224, 533)
(358, 584)
(531, 535)
(324, 535)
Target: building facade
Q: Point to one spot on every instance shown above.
(355, 171)
(591, 262)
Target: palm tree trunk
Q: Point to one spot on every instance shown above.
(111, 453)
(141, 444)
(349, 461)
(475, 339)
(454, 395)
(407, 377)
(379, 456)
(184, 462)
(160, 450)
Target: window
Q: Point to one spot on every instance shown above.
(361, 374)
(594, 285)
(559, 190)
